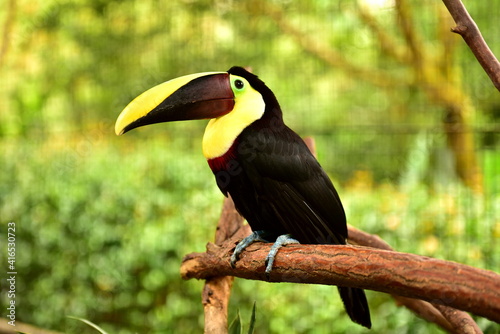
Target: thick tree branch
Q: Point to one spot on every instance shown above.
(469, 31)
(437, 281)
(454, 321)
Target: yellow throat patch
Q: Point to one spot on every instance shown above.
(221, 132)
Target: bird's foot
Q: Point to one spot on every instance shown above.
(281, 241)
(240, 247)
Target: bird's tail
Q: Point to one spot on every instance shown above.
(356, 305)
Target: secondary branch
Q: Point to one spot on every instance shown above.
(467, 28)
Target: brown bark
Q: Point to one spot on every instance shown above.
(467, 28)
(448, 318)
(460, 321)
(215, 300)
(427, 311)
(460, 138)
(217, 289)
(408, 275)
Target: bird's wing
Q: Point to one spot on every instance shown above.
(292, 182)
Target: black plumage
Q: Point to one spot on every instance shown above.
(279, 187)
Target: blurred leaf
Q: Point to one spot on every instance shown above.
(236, 327)
(100, 330)
(252, 320)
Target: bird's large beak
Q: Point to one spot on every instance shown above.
(195, 96)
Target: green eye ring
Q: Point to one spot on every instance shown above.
(238, 84)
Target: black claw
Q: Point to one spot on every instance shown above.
(233, 260)
(268, 270)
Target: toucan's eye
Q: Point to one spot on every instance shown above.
(239, 84)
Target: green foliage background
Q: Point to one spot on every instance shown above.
(103, 222)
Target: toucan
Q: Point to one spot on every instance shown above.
(276, 184)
